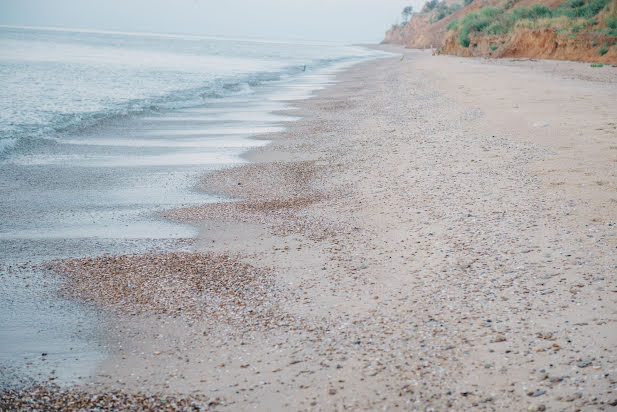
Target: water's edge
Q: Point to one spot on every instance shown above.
(46, 336)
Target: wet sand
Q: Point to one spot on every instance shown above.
(435, 232)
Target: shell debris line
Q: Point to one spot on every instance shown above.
(190, 285)
(54, 399)
(276, 194)
(263, 181)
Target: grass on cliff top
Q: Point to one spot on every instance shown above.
(574, 16)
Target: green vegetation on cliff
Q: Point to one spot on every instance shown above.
(439, 9)
(572, 17)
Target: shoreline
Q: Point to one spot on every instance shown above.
(117, 217)
(428, 245)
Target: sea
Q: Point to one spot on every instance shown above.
(100, 131)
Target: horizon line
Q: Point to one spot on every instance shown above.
(177, 35)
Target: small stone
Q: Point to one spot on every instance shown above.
(332, 391)
(536, 393)
(583, 364)
(574, 396)
(555, 379)
(500, 338)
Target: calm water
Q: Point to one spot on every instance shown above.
(98, 131)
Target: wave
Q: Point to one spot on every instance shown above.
(28, 136)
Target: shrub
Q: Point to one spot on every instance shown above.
(611, 21)
(430, 5)
(597, 65)
(406, 13)
(580, 8)
(510, 4)
(453, 25)
(440, 14)
(489, 11)
(454, 7)
(537, 11)
(476, 22)
(442, 10)
(467, 2)
(595, 6)
(540, 11)
(494, 47)
(603, 50)
(495, 28)
(573, 4)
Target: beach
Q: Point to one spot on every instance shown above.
(433, 232)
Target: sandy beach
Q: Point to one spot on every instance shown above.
(434, 233)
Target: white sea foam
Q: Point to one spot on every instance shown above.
(170, 143)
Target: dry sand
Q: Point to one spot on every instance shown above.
(436, 232)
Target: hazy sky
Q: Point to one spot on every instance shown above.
(335, 20)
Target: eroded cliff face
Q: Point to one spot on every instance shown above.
(526, 43)
(395, 35)
(418, 33)
(422, 33)
(544, 43)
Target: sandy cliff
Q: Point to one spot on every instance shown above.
(422, 32)
(418, 33)
(580, 38)
(526, 43)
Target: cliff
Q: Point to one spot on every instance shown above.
(418, 33)
(423, 30)
(584, 30)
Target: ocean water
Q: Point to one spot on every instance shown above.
(98, 132)
(56, 81)
(98, 129)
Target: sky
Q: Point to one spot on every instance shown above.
(350, 21)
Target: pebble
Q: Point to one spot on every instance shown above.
(500, 338)
(57, 399)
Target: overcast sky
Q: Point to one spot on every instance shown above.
(333, 20)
